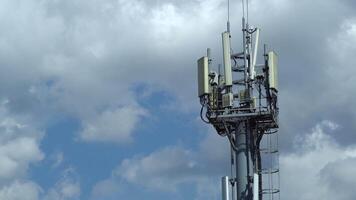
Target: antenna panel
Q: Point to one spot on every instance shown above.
(227, 58)
(273, 70)
(203, 76)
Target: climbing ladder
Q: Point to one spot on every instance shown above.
(270, 166)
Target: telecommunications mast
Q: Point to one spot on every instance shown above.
(241, 104)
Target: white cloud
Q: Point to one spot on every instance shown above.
(339, 178)
(92, 54)
(319, 168)
(106, 189)
(16, 155)
(78, 57)
(19, 145)
(113, 125)
(20, 190)
(341, 79)
(89, 56)
(19, 148)
(97, 51)
(163, 169)
(67, 188)
(312, 172)
(167, 169)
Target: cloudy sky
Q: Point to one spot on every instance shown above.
(98, 97)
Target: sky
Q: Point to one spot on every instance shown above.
(98, 99)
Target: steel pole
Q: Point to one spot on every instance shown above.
(225, 188)
(243, 158)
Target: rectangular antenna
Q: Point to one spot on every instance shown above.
(273, 70)
(255, 50)
(203, 76)
(227, 58)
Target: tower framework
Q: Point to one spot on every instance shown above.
(241, 104)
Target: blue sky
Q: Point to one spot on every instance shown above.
(95, 161)
(98, 99)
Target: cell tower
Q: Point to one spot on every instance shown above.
(241, 104)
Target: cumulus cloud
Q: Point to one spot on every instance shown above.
(67, 188)
(19, 145)
(315, 63)
(106, 189)
(75, 58)
(170, 168)
(339, 177)
(87, 62)
(163, 169)
(113, 126)
(320, 168)
(19, 148)
(16, 155)
(88, 56)
(83, 59)
(20, 190)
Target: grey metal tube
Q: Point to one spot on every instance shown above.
(243, 158)
(225, 188)
(256, 189)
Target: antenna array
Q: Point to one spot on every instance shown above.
(241, 104)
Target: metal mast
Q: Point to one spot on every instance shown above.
(230, 105)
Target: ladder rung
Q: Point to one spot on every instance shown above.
(239, 82)
(238, 69)
(270, 191)
(269, 171)
(269, 151)
(238, 55)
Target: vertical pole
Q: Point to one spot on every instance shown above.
(225, 188)
(245, 53)
(243, 159)
(233, 166)
(256, 186)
